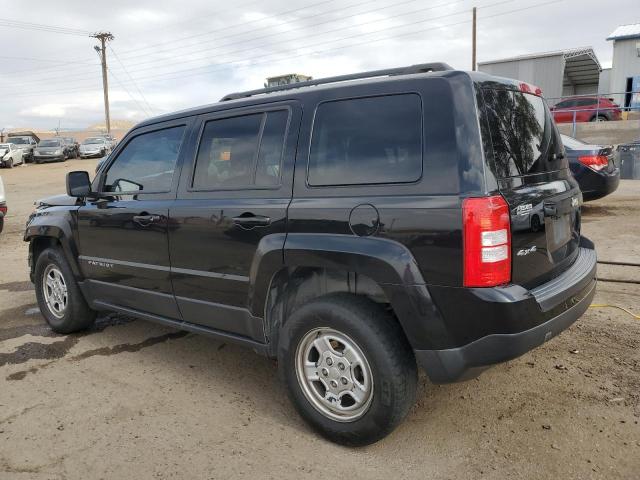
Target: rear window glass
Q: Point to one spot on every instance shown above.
(523, 137)
(370, 140)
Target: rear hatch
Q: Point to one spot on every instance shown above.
(524, 151)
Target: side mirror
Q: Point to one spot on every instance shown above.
(78, 184)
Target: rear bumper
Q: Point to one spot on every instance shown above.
(48, 158)
(542, 313)
(596, 185)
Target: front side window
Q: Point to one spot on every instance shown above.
(241, 152)
(147, 162)
(374, 140)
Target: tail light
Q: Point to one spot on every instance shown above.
(594, 162)
(486, 242)
(3, 208)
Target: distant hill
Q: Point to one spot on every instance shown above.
(115, 125)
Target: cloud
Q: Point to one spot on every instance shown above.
(194, 55)
(47, 110)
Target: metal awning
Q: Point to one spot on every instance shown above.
(581, 67)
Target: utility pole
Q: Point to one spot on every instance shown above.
(473, 42)
(104, 37)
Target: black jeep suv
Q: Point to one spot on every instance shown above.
(352, 227)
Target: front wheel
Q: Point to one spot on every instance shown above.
(10, 163)
(59, 298)
(350, 370)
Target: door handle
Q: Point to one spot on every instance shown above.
(251, 220)
(146, 220)
(550, 210)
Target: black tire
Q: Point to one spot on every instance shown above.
(10, 163)
(390, 358)
(1, 223)
(599, 118)
(77, 315)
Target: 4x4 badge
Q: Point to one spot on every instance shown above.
(526, 251)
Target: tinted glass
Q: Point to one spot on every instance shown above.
(367, 141)
(566, 104)
(271, 149)
(523, 137)
(233, 154)
(227, 153)
(585, 102)
(50, 143)
(147, 163)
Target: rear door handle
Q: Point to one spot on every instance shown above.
(251, 220)
(146, 220)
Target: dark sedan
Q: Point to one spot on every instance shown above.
(593, 166)
(51, 150)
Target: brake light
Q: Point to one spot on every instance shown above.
(486, 242)
(528, 88)
(3, 208)
(594, 162)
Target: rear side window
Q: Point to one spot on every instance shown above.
(370, 140)
(241, 152)
(523, 136)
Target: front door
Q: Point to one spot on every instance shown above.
(235, 195)
(123, 243)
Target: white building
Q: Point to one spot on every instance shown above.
(574, 71)
(625, 70)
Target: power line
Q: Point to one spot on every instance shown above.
(209, 50)
(126, 53)
(221, 29)
(402, 35)
(306, 27)
(132, 80)
(6, 22)
(129, 93)
(217, 30)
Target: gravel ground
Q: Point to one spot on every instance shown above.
(131, 399)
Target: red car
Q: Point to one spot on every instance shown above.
(587, 109)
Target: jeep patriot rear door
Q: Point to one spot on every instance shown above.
(233, 194)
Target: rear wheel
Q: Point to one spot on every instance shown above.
(599, 118)
(59, 297)
(350, 370)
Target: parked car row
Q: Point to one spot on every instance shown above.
(24, 148)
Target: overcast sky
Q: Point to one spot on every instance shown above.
(169, 55)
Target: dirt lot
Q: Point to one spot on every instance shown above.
(132, 399)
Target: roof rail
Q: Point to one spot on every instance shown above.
(389, 72)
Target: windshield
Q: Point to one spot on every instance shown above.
(572, 143)
(93, 141)
(49, 143)
(18, 140)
